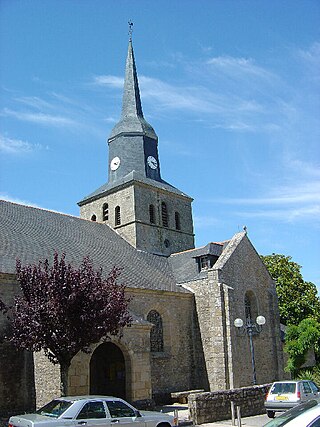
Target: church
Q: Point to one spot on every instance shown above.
(184, 299)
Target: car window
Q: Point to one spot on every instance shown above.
(92, 410)
(314, 387)
(283, 388)
(55, 408)
(119, 409)
(315, 423)
(306, 387)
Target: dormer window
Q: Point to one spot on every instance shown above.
(204, 262)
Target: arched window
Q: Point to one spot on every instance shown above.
(152, 214)
(93, 218)
(164, 214)
(156, 333)
(105, 212)
(250, 306)
(177, 220)
(247, 307)
(117, 215)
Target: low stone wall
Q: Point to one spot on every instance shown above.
(215, 406)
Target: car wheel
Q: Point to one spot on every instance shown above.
(270, 414)
(164, 425)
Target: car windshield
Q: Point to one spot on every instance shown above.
(291, 414)
(283, 388)
(55, 408)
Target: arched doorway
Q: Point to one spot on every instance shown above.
(107, 371)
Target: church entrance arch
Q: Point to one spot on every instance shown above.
(108, 371)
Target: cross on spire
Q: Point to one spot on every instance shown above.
(130, 23)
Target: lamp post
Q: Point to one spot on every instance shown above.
(251, 328)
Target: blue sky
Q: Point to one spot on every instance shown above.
(230, 87)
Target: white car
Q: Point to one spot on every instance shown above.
(91, 411)
(306, 414)
(284, 395)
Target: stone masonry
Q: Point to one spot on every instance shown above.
(216, 406)
(220, 299)
(17, 391)
(146, 376)
(134, 200)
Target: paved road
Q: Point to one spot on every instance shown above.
(183, 414)
(256, 421)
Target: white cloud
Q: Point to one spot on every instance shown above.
(8, 198)
(298, 198)
(40, 118)
(239, 67)
(285, 215)
(306, 169)
(108, 80)
(311, 55)
(300, 191)
(33, 101)
(205, 221)
(177, 98)
(17, 146)
(111, 119)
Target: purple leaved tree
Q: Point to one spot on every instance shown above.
(63, 310)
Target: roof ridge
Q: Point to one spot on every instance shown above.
(39, 208)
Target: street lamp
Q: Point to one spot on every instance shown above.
(251, 328)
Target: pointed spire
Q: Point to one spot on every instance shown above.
(132, 120)
(131, 102)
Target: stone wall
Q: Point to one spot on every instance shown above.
(175, 368)
(216, 406)
(152, 237)
(148, 375)
(134, 200)
(210, 305)
(220, 299)
(17, 391)
(243, 272)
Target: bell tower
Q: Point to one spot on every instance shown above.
(144, 209)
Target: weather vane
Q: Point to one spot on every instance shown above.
(130, 23)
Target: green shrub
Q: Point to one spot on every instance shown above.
(312, 374)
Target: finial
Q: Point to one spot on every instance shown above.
(245, 229)
(130, 23)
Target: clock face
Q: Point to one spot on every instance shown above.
(152, 162)
(115, 163)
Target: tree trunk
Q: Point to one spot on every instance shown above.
(64, 377)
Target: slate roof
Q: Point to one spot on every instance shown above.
(132, 120)
(127, 180)
(184, 264)
(33, 234)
